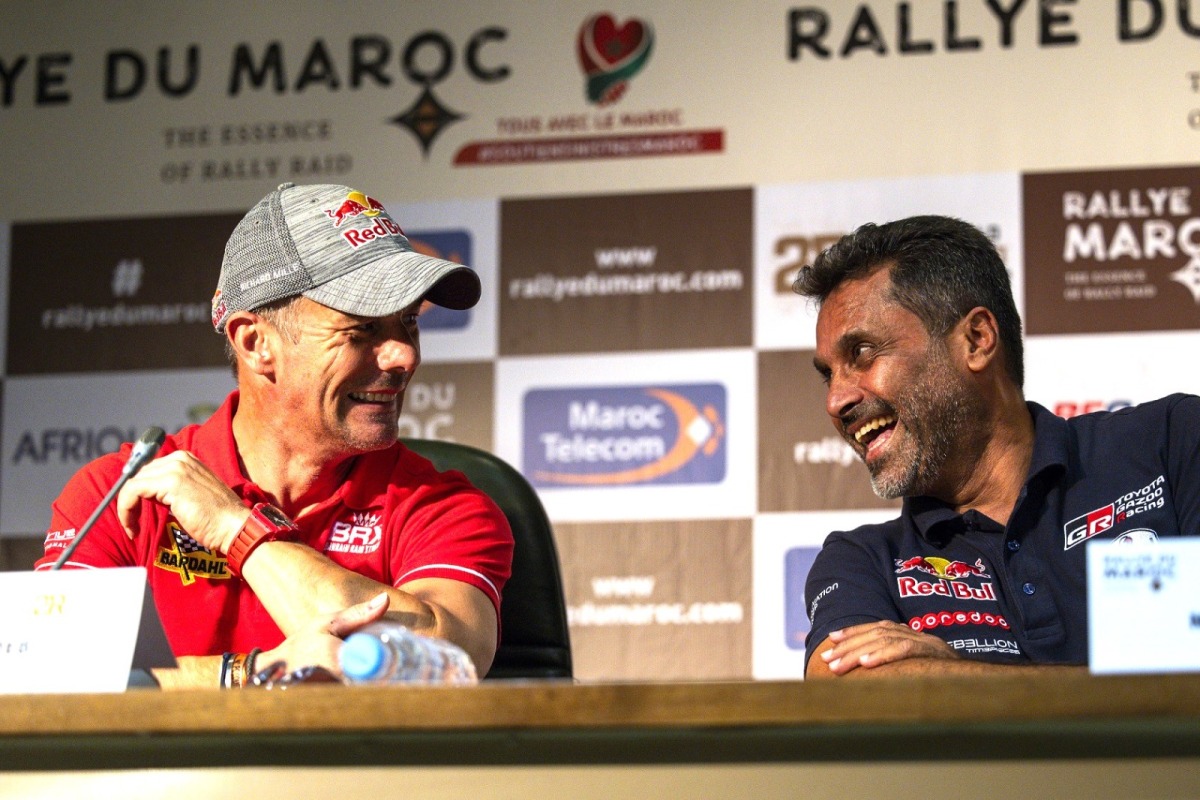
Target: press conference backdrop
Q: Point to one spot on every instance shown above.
(637, 183)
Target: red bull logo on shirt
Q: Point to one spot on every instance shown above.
(948, 573)
(625, 436)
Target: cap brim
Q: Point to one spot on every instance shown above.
(393, 283)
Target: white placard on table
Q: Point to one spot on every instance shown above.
(77, 630)
(1144, 606)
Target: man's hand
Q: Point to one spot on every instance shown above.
(200, 502)
(877, 643)
(318, 644)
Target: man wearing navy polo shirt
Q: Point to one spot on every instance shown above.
(919, 343)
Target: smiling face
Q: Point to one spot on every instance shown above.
(894, 392)
(340, 379)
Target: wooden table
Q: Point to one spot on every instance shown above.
(1139, 731)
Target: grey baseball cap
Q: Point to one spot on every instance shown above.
(337, 246)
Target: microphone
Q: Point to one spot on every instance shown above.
(143, 452)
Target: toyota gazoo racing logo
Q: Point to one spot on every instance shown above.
(1104, 518)
(362, 534)
(624, 436)
(357, 205)
(950, 577)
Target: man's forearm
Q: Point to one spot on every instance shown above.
(940, 667)
(296, 583)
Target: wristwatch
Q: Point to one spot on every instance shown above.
(266, 523)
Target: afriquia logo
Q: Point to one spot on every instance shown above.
(624, 436)
(611, 55)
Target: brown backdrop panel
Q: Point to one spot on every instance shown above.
(803, 465)
(658, 600)
(1112, 251)
(626, 272)
(116, 294)
(450, 401)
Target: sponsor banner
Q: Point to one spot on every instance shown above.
(117, 294)
(625, 272)
(462, 231)
(658, 600)
(1074, 375)
(784, 548)
(246, 99)
(1117, 250)
(803, 464)
(51, 428)
(663, 441)
(610, 119)
(796, 222)
(451, 402)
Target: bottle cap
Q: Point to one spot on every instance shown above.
(362, 657)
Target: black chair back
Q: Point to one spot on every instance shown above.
(534, 639)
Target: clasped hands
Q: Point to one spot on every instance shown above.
(874, 644)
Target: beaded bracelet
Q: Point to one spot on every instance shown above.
(251, 659)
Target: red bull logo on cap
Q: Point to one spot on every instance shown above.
(358, 205)
(355, 204)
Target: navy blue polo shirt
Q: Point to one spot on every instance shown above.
(1017, 593)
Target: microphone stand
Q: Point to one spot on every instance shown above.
(143, 452)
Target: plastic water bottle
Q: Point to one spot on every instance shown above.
(386, 652)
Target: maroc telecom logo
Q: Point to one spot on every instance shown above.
(611, 55)
(625, 436)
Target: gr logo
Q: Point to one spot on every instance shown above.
(1085, 527)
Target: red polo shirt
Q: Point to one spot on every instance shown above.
(394, 519)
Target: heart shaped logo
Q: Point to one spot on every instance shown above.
(611, 54)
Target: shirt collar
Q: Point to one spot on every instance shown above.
(216, 436)
(1051, 450)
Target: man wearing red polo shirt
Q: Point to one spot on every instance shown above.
(293, 516)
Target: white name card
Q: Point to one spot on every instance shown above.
(76, 630)
(1144, 606)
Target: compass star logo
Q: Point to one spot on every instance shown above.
(426, 119)
(1189, 276)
